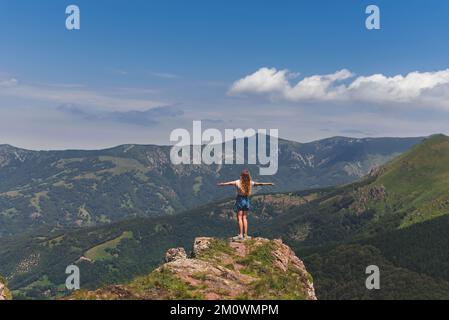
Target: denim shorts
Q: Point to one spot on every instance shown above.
(242, 203)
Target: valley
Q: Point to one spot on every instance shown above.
(395, 217)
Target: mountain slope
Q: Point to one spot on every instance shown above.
(338, 231)
(41, 190)
(35, 263)
(220, 270)
(418, 181)
(413, 262)
(410, 189)
(339, 274)
(397, 219)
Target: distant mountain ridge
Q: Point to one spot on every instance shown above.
(76, 188)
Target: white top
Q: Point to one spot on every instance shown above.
(238, 186)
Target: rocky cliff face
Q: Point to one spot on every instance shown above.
(218, 269)
(4, 292)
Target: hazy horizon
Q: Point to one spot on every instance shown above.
(168, 145)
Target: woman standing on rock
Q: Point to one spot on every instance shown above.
(242, 205)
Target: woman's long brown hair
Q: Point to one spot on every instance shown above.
(245, 183)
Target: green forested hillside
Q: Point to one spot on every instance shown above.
(337, 231)
(35, 264)
(73, 189)
(418, 181)
(397, 218)
(340, 275)
(413, 262)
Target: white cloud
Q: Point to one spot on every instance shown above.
(262, 81)
(426, 89)
(165, 75)
(8, 83)
(61, 94)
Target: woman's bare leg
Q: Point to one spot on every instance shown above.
(245, 224)
(240, 220)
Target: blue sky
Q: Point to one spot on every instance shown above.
(137, 70)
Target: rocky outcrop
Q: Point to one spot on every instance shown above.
(376, 172)
(200, 244)
(4, 292)
(220, 270)
(366, 195)
(175, 254)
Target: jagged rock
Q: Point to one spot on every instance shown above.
(220, 270)
(200, 244)
(376, 172)
(2, 296)
(363, 196)
(175, 254)
(4, 292)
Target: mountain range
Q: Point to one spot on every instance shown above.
(44, 190)
(395, 217)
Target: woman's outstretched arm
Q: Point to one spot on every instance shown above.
(263, 184)
(224, 184)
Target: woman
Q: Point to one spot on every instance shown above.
(242, 205)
